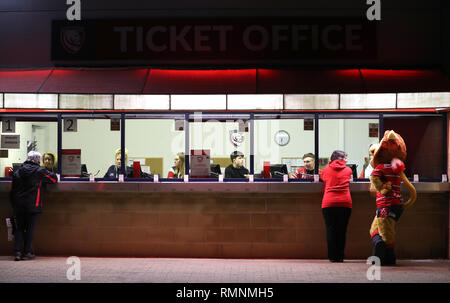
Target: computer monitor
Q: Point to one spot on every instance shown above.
(84, 171)
(215, 170)
(278, 170)
(354, 173)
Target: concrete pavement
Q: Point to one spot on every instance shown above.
(50, 269)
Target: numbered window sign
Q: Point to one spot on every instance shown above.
(8, 125)
(70, 125)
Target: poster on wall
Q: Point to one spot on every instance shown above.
(200, 163)
(115, 124)
(3, 153)
(373, 130)
(10, 141)
(71, 163)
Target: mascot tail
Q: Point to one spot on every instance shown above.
(412, 191)
(399, 167)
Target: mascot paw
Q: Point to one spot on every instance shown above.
(397, 165)
(386, 188)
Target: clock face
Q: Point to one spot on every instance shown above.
(282, 138)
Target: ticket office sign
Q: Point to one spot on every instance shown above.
(221, 40)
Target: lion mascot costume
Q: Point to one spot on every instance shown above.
(385, 180)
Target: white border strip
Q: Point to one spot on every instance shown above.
(247, 102)
(41, 101)
(368, 101)
(423, 100)
(311, 101)
(198, 102)
(156, 102)
(79, 101)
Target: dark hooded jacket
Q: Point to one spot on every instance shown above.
(28, 187)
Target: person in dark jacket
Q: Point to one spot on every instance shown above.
(27, 191)
(236, 169)
(336, 204)
(114, 170)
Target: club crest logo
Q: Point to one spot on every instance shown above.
(72, 38)
(237, 138)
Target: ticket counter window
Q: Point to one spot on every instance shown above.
(23, 134)
(89, 145)
(354, 136)
(218, 137)
(280, 146)
(425, 142)
(153, 145)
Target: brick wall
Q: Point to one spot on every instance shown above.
(223, 225)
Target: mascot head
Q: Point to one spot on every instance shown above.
(391, 146)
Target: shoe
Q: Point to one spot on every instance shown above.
(390, 257)
(18, 256)
(379, 249)
(28, 256)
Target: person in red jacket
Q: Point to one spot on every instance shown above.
(336, 204)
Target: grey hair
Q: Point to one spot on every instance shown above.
(34, 157)
(338, 155)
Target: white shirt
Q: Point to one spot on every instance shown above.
(368, 171)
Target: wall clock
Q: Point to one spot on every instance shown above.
(282, 138)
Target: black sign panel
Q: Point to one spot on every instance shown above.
(214, 40)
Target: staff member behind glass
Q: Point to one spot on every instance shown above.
(236, 169)
(114, 170)
(367, 168)
(306, 172)
(27, 192)
(49, 162)
(177, 171)
(336, 204)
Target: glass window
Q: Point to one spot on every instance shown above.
(282, 139)
(217, 136)
(354, 136)
(425, 143)
(154, 143)
(21, 134)
(89, 143)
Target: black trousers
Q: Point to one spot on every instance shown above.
(336, 221)
(23, 235)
